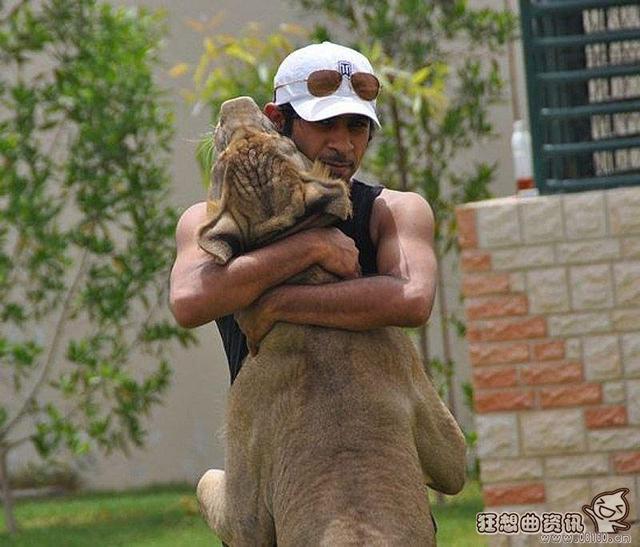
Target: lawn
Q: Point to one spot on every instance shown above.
(168, 516)
(457, 518)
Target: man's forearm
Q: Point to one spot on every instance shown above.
(202, 290)
(211, 291)
(357, 304)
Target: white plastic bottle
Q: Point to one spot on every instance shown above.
(521, 150)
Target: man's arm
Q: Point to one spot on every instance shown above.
(402, 228)
(201, 290)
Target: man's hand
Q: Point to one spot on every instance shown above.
(255, 322)
(339, 254)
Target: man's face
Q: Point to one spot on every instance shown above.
(339, 142)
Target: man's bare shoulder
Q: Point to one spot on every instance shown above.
(392, 208)
(190, 221)
(395, 199)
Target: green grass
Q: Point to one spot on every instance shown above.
(158, 517)
(169, 517)
(457, 518)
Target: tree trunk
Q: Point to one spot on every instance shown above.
(424, 348)
(7, 499)
(446, 341)
(426, 363)
(513, 71)
(402, 153)
(443, 311)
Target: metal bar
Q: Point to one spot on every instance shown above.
(571, 148)
(590, 110)
(584, 39)
(544, 7)
(554, 61)
(565, 76)
(592, 183)
(533, 93)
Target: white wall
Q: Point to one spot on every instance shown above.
(184, 440)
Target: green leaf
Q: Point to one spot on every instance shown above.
(86, 223)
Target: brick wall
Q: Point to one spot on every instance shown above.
(552, 298)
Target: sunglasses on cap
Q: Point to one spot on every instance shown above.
(322, 83)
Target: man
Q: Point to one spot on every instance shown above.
(324, 99)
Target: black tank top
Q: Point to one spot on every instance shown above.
(356, 227)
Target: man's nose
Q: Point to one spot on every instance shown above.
(340, 139)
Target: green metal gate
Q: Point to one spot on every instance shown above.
(582, 60)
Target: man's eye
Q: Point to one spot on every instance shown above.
(359, 125)
(329, 122)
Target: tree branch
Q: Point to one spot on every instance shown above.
(13, 11)
(53, 349)
(402, 159)
(7, 498)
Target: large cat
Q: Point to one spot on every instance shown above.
(331, 434)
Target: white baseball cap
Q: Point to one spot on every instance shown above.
(291, 87)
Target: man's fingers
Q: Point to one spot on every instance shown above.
(341, 255)
(355, 272)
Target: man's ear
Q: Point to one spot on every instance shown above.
(272, 112)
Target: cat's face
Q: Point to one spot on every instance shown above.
(611, 506)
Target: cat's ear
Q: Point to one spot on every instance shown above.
(221, 238)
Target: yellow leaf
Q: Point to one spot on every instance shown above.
(278, 41)
(188, 95)
(376, 52)
(290, 28)
(226, 39)
(216, 20)
(203, 65)
(234, 50)
(210, 47)
(179, 70)
(421, 75)
(196, 25)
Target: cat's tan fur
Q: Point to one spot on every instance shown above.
(331, 434)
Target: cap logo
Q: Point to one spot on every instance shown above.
(345, 68)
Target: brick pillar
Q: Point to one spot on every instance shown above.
(552, 299)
